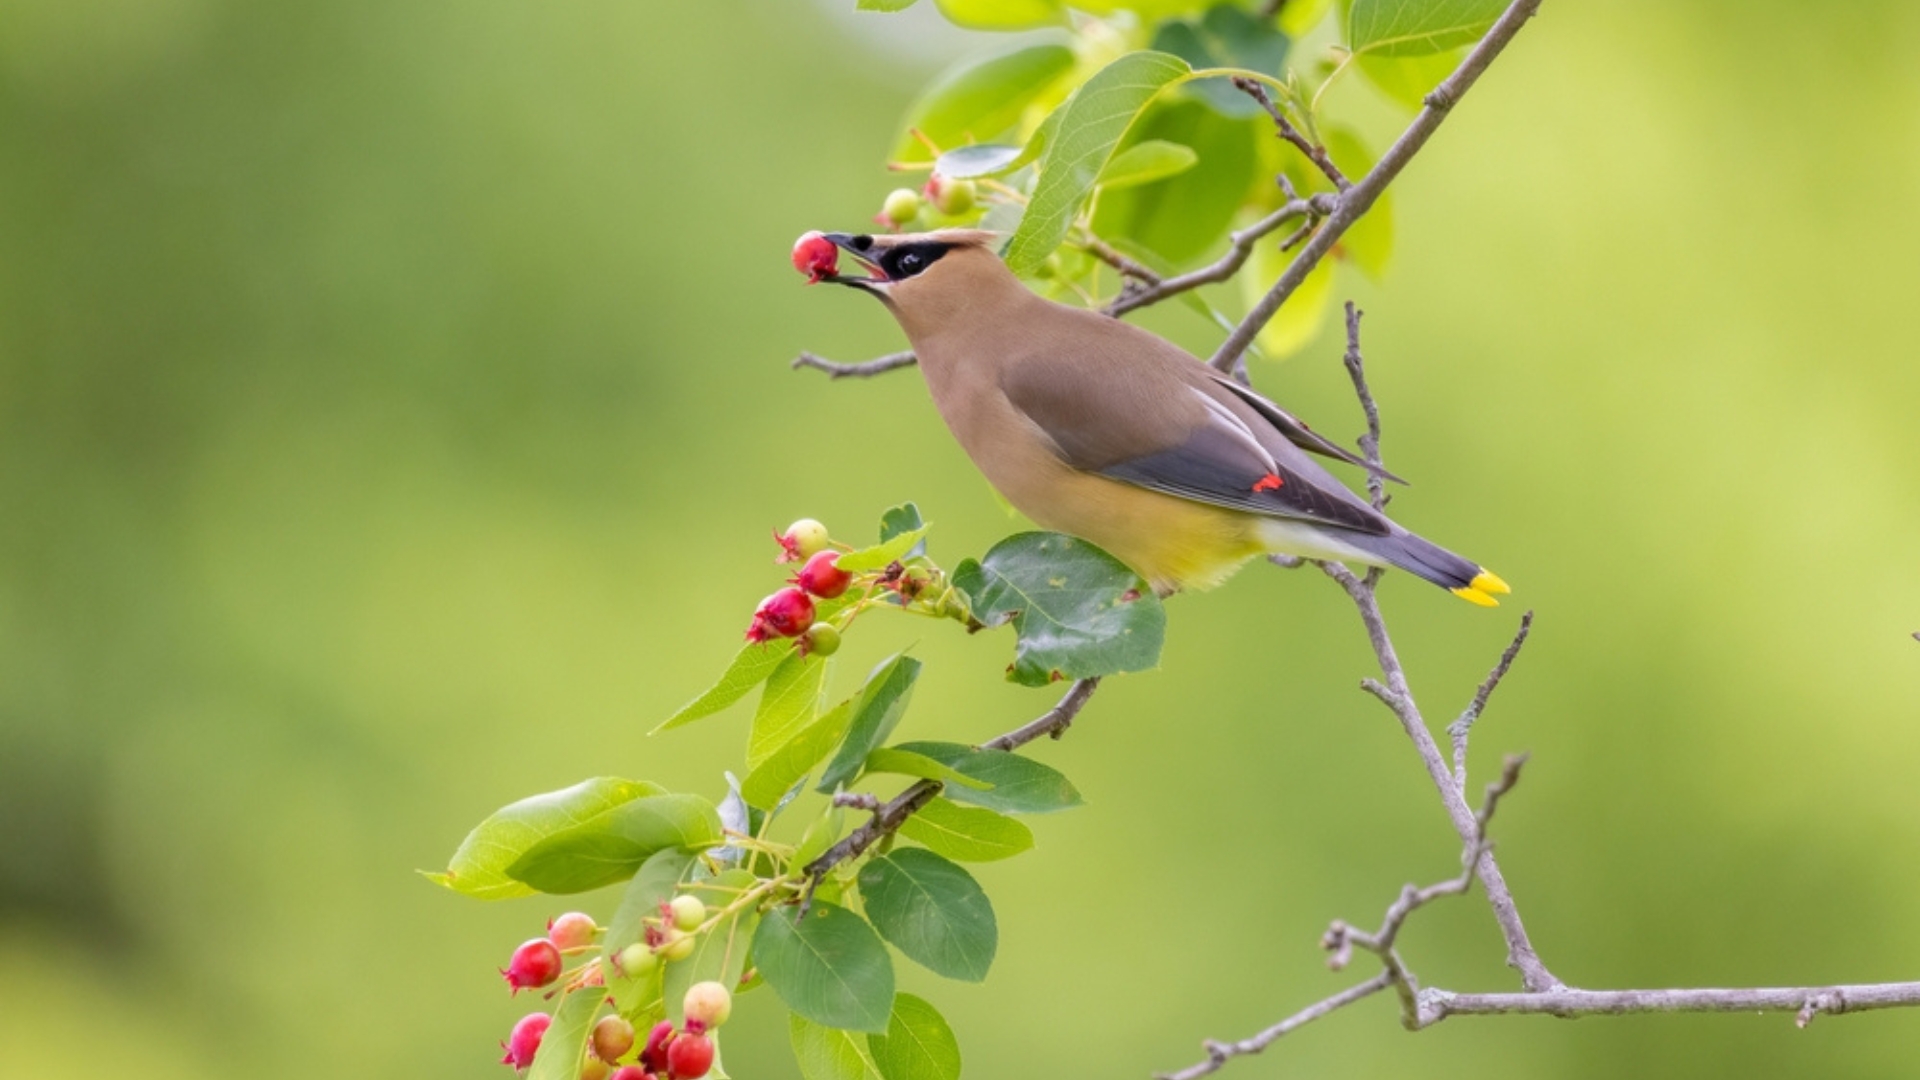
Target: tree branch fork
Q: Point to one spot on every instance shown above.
(1322, 219)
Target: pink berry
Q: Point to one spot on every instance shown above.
(822, 575)
(573, 930)
(654, 1057)
(631, 1072)
(801, 540)
(534, 964)
(786, 613)
(690, 1056)
(525, 1040)
(612, 1038)
(815, 256)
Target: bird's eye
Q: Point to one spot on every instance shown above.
(911, 263)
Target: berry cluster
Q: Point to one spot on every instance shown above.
(669, 1053)
(950, 198)
(797, 610)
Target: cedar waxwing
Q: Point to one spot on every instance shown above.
(1095, 427)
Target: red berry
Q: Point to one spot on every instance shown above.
(535, 964)
(815, 256)
(654, 1057)
(631, 1072)
(786, 613)
(525, 1040)
(612, 1038)
(690, 1056)
(822, 575)
(573, 930)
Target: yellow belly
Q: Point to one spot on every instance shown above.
(1172, 542)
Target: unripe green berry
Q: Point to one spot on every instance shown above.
(954, 197)
(678, 946)
(636, 960)
(708, 1004)
(822, 639)
(688, 911)
(902, 206)
(802, 540)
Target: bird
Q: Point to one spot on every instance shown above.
(1100, 429)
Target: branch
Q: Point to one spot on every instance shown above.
(877, 366)
(1463, 726)
(888, 817)
(1355, 201)
(1805, 1002)
(1218, 1053)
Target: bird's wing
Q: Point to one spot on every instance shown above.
(1173, 437)
(1296, 430)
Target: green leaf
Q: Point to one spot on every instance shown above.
(967, 833)
(750, 667)
(981, 100)
(889, 759)
(790, 702)
(891, 550)
(564, 1046)
(1368, 244)
(612, 845)
(720, 954)
(899, 521)
(479, 866)
(1021, 785)
(774, 777)
(820, 835)
(1226, 36)
(882, 702)
(1076, 611)
(1145, 162)
(829, 967)
(884, 5)
(1300, 16)
(1187, 216)
(827, 1053)
(933, 911)
(986, 159)
(1091, 125)
(1300, 319)
(1408, 79)
(918, 1044)
(1003, 14)
(1418, 27)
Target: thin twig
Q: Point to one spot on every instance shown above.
(1370, 442)
(1219, 1053)
(1463, 725)
(1239, 249)
(1803, 1001)
(888, 817)
(834, 370)
(1313, 150)
(1113, 257)
(1355, 201)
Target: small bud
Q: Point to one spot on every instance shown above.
(688, 912)
(822, 575)
(801, 540)
(707, 1004)
(815, 256)
(690, 1056)
(902, 206)
(524, 1042)
(573, 930)
(612, 1038)
(534, 964)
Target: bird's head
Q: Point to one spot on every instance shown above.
(921, 276)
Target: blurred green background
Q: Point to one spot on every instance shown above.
(394, 406)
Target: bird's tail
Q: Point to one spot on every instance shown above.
(1430, 562)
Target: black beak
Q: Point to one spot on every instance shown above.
(862, 248)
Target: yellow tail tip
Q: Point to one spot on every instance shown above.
(1475, 596)
(1487, 581)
